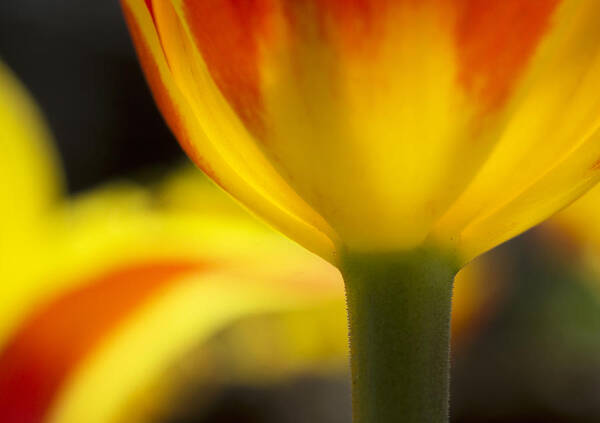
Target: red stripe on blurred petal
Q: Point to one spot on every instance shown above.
(495, 40)
(52, 342)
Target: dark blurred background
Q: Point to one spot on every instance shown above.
(538, 360)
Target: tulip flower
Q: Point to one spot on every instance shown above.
(396, 139)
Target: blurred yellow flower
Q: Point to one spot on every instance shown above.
(102, 292)
(383, 125)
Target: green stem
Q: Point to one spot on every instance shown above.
(399, 317)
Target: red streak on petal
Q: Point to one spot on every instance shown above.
(356, 21)
(232, 34)
(53, 341)
(151, 10)
(495, 40)
(228, 33)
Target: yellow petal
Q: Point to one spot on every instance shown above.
(201, 120)
(547, 154)
(30, 187)
(30, 178)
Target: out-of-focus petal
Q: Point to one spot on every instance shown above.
(31, 177)
(126, 284)
(30, 180)
(170, 325)
(30, 187)
(37, 360)
(479, 290)
(576, 232)
(130, 323)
